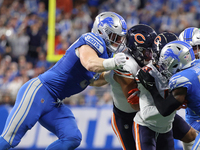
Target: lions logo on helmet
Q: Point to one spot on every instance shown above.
(109, 21)
(176, 55)
(170, 53)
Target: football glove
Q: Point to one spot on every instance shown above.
(134, 97)
(120, 60)
(146, 79)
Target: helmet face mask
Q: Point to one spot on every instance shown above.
(142, 55)
(168, 67)
(112, 28)
(116, 42)
(175, 56)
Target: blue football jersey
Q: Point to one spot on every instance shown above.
(190, 115)
(189, 78)
(68, 76)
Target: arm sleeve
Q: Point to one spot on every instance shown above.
(164, 106)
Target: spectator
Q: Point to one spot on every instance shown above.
(35, 33)
(19, 44)
(26, 21)
(41, 12)
(105, 100)
(42, 62)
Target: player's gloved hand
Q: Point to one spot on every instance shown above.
(120, 60)
(114, 63)
(146, 79)
(134, 97)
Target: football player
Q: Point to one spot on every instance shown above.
(178, 64)
(187, 133)
(139, 38)
(40, 99)
(191, 35)
(139, 43)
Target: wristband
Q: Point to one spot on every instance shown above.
(109, 64)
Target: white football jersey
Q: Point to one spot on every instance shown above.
(129, 71)
(148, 114)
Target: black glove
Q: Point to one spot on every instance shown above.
(146, 79)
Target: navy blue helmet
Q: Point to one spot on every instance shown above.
(160, 41)
(139, 42)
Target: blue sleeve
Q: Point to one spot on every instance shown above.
(179, 80)
(96, 42)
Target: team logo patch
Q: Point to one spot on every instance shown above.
(94, 42)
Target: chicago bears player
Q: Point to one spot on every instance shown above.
(139, 42)
(191, 35)
(40, 99)
(177, 62)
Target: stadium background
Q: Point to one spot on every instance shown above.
(25, 40)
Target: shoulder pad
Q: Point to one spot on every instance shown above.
(95, 41)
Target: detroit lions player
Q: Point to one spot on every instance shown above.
(40, 99)
(191, 35)
(177, 62)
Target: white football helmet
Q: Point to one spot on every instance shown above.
(175, 56)
(112, 28)
(192, 36)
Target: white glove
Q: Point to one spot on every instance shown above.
(120, 60)
(113, 63)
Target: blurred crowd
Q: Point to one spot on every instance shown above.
(24, 30)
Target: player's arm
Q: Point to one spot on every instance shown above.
(100, 82)
(127, 84)
(92, 62)
(168, 105)
(164, 105)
